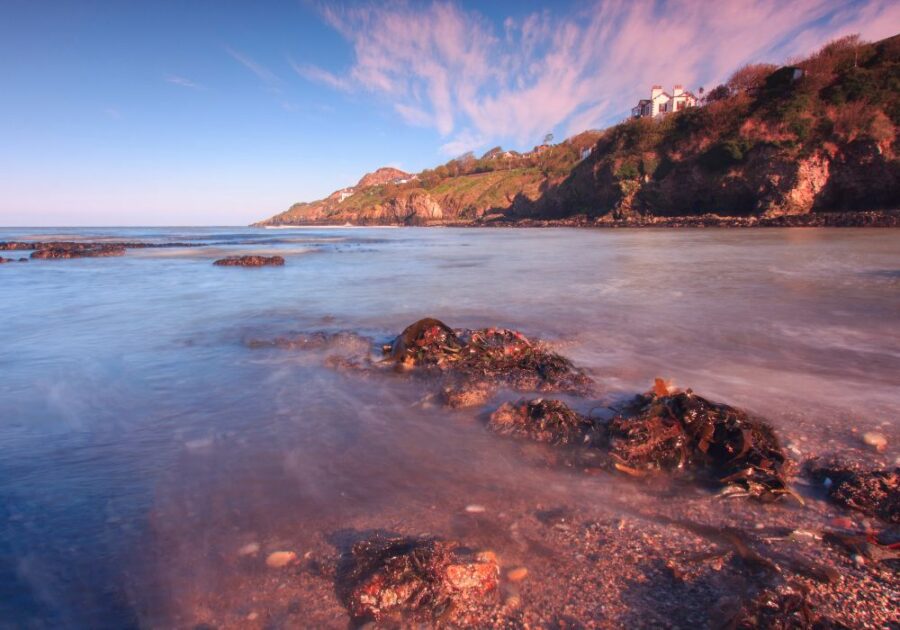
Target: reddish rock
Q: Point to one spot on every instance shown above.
(467, 393)
(250, 261)
(417, 580)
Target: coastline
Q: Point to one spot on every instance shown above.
(866, 219)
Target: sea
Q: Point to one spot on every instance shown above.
(156, 442)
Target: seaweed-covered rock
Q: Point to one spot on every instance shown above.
(666, 430)
(872, 492)
(250, 261)
(417, 579)
(78, 250)
(784, 607)
(465, 392)
(549, 421)
(490, 354)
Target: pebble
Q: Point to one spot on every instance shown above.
(875, 440)
(279, 559)
(474, 508)
(517, 575)
(249, 549)
(252, 616)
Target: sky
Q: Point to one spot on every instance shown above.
(214, 112)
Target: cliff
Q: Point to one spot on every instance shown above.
(814, 138)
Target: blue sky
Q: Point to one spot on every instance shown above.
(203, 112)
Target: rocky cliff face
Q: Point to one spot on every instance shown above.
(784, 147)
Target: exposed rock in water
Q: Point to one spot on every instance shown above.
(10, 260)
(549, 421)
(495, 355)
(872, 492)
(250, 261)
(421, 580)
(464, 393)
(78, 250)
(664, 430)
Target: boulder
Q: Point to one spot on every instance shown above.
(416, 579)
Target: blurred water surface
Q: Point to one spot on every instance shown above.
(130, 399)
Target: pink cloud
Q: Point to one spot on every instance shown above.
(476, 82)
(320, 75)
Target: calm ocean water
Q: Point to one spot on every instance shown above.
(140, 435)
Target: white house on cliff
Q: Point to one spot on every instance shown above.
(661, 102)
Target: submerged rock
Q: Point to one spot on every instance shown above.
(493, 355)
(78, 250)
(872, 492)
(417, 579)
(549, 421)
(666, 430)
(250, 261)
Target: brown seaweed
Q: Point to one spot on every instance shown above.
(670, 431)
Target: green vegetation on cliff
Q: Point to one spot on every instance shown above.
(817, 136)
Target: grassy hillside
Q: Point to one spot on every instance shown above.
(816, 136)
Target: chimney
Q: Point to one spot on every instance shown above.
(678, 90)
(655, 91)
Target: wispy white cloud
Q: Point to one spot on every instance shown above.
(263, 74)
(474, 81)
(320, 75)
(174, 79)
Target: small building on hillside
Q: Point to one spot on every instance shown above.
(661, 102)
